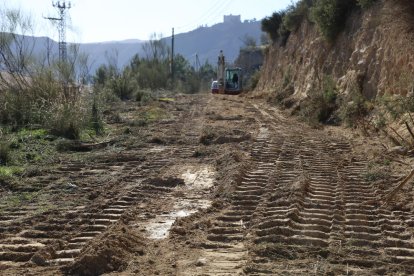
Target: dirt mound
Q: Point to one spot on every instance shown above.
(108, 253)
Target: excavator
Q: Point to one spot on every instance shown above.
(229, 80)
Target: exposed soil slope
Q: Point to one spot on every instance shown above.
(374, 54)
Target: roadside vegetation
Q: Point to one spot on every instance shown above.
(329, 15)
(49, 105)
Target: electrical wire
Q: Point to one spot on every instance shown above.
(215, 12)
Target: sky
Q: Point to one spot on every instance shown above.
(111, 20)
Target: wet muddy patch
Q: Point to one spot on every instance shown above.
(194, 179)
(160, 226)
(201, 177)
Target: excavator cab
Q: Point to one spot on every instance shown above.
(233, 81)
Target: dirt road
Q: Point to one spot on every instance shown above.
(210, 185)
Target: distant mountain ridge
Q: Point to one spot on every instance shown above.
(205, 42)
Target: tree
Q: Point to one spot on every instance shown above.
(271, 25)
(16, 52)
(249, 41)
(156, 49)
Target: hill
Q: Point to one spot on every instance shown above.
(206, 42)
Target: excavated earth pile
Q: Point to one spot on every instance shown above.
(217, 185)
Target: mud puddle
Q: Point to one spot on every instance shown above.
(196, 179)
(160, 226)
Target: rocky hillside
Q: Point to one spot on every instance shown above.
(374, 54)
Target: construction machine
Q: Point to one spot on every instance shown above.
(229, 80)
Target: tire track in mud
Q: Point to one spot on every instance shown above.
(225, 252)
(322, 216)
(23, 234)
(72, 229)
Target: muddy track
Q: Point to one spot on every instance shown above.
(23, 237)
(322, 215)
(301, 205)
(125, 187)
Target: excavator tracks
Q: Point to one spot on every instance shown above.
(304, 206)
(300, 202)
(321, 214)
(123, 180)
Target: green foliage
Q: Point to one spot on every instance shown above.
(254, 80)
(285, 90)
(331, 15)
(143, 96)
(320, 106)
(29, 105)
(354, 109)
(67, 121)
(249, 41)
(5, 153)
(10, 171)
(151, 73)
(295, 14)
(272, 24)
(96, 118)
(377, 171)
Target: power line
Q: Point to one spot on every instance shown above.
(215, 11)
(200, 19)
(61, 7)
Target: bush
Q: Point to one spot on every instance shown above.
(353, 111)
(143, 96)
(96, 118)
(5, 153)
(254, 80)
(331, 15)
(272, 24)
(284, 90)
(295, 14)
(322, 103)
(22, 106)
(67, 120)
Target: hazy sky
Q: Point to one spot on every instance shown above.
(106, 20)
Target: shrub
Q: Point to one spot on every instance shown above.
(254, 80)
(322, 103)
(22, 106)
(96, 118)
(5, 153)
(295, 14)
(353, 110)
(67, 120)
(271, 25)
(143, 96)
(284, 90)
(122, 85)
(331, 15)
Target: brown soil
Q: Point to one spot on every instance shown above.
(213, 185)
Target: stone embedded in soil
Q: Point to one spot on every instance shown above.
(201, 262)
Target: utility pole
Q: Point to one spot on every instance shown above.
(61, 7)
(197, 63)
(172, 55)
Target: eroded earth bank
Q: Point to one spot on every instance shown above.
(212, 185)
